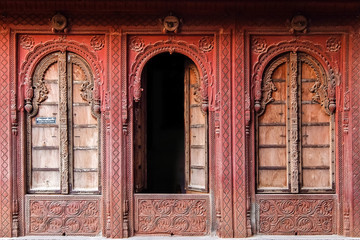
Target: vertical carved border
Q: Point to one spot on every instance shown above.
(355, 103)
(225, 131)
(114, 221)
(240, 193)
(5, 170)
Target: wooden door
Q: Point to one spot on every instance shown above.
(63, 128)
(295, 130)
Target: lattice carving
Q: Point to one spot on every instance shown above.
(296, 216)
(64, 217)
(183, 215)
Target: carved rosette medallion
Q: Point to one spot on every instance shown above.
(206, 44)
(333, 44)
(26, 42)
(178, 215)
(136, 44)
(259, 45)
(64, 217)
(296, 216)
(97, 42)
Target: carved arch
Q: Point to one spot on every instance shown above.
(316, 51)
(41, 50)
(189, 50)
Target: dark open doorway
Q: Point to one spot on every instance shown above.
(163, 125)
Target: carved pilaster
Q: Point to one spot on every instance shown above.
(64, 146)
(294, 124)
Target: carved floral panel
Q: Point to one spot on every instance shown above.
(174, 214)
(63, 216)
(296, 216)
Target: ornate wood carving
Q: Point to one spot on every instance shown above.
(97, 42)
(171, 24)
(294, 46)
(63, 124)
(63, 216)
(189, 50)
(175, 214)
(294, 122)
(298, 23)
(59, 23)
(259, 45)
(136, 44)
(206, 44)
(26, 42)
(302, 215)
(333, 44)
(268, 86)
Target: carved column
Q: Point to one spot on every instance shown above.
(294, 124)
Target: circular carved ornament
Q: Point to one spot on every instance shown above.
(171, 23)
(97, 42)
(333, 44)
(206, 44)
(299, 23)
(58, 22)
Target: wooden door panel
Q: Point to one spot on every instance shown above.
(314, 113)
(315, 157)
(272, 179)
(86, 181)
(42, 157)
(316, 178)
(86, 159)
(271, 157)
(44, 136)
(82, 115)
(45, 180)
(275, 113)
(315, 135)
(272, 135)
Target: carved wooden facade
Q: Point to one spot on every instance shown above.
(275, 99)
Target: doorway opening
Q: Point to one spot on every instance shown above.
(161, 119)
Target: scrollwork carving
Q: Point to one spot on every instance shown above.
(67, 217)
(172, 216)
(296, 216)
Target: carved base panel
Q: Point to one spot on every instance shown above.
(174, 214)
(62, 215)
(296, 215)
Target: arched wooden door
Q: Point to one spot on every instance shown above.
(63, 183)
(295, 149)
